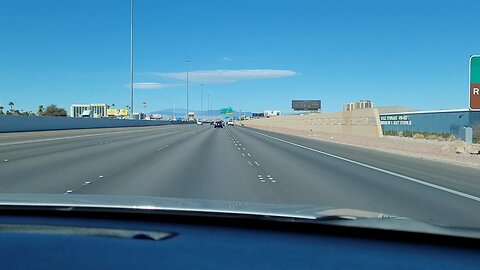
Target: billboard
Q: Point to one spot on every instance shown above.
(117, 112)
(306, 105)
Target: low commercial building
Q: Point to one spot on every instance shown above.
(98, 110)
(269, 113)
(439, 122)
(258, 115)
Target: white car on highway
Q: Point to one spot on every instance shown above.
(230, 123)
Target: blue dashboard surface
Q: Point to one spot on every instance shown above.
(207, 245)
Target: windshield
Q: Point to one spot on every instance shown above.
(361, 105)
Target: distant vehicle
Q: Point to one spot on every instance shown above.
(199, 123)
(230, 123)
(212, 123)
(87, 114)
(218, 124)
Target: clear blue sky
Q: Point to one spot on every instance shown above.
(251, 55)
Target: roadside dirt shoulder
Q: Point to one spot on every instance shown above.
(443, 151)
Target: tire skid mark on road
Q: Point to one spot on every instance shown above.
(81, 136)
(102, 142)
(102, 177)
(378, 169)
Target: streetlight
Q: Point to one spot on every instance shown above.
(131, 57)
(201, 102)
(187, 61)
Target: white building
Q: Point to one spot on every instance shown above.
(98, 110)
(361, 104)
(270, 113)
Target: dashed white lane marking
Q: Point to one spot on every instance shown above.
(258, 164)
(452, 191)
(86, 183)
(5, 160)
(273, 181)
(68, 191)
(249, 154)
(238, 148)
(250, 163)
(243, 154)
(100, 176)
(243, 148)
(71, 137)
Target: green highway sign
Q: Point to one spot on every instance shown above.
(228, 110)
(474, 76)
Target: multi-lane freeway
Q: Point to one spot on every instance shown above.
(237, 164)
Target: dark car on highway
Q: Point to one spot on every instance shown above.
(218, 124)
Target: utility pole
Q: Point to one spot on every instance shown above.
(131, 58)
(187, 61)
(201, 102)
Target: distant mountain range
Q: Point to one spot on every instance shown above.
(206, 114)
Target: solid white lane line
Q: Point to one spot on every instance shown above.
(449, 190)
(73, 137)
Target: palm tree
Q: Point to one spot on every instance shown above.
(113, 105)
(1, 110)
(41, 110)
(11, 104)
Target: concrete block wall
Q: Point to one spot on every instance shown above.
(9, 123)
(364, 122)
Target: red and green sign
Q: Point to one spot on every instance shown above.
(474, 82)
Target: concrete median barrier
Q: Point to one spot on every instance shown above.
(9, 123)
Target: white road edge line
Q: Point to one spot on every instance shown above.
(452, 191)
(75, 136)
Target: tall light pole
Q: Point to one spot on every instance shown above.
(187, 61)
(208, 103)
(131, 58)
(201, 101)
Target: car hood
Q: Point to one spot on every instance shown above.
(300, 213)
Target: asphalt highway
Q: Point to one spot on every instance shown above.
(237, 164)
